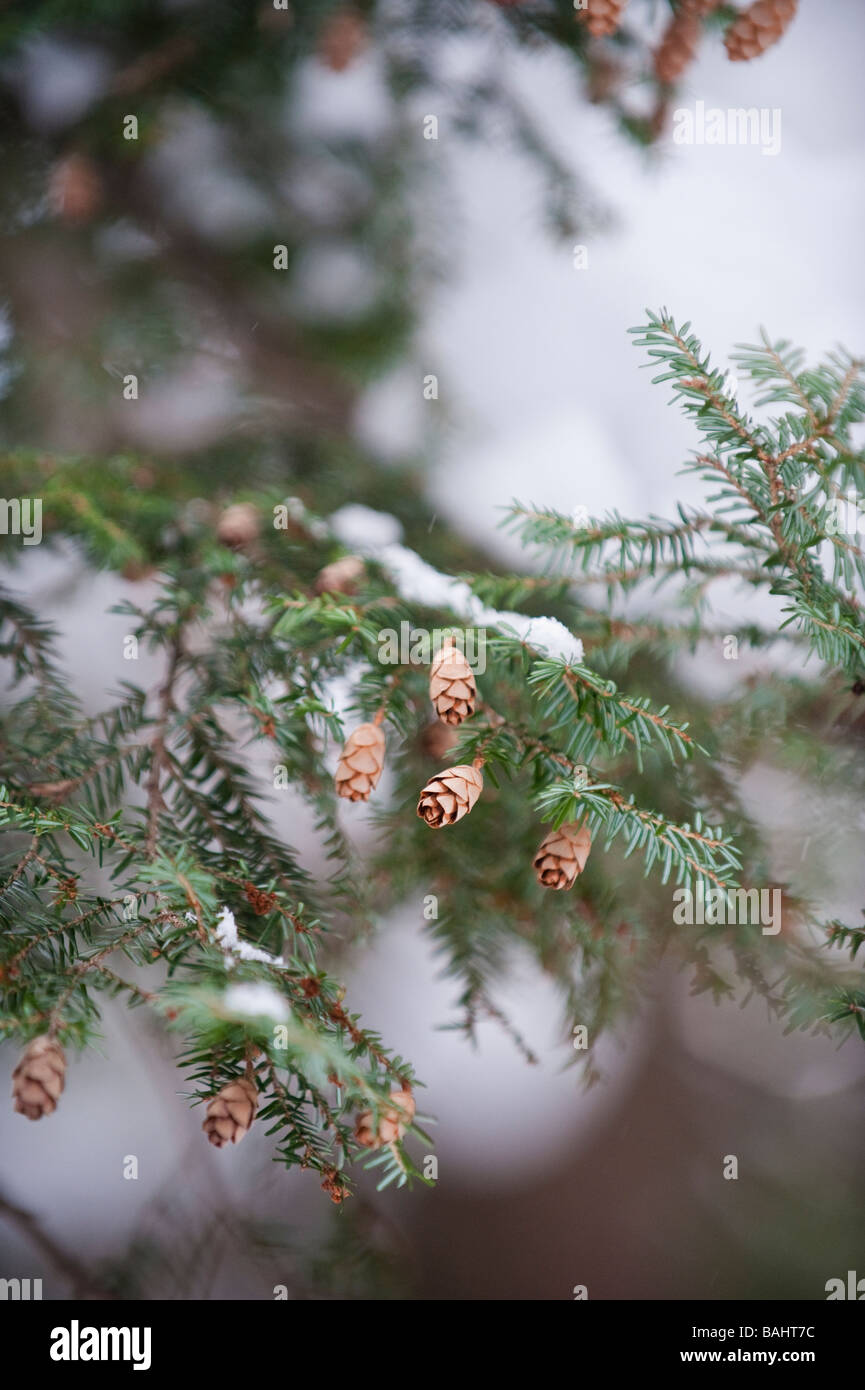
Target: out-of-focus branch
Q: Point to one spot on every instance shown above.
(83, 1284)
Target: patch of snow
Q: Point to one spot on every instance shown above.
(255, 998)
(371, 533)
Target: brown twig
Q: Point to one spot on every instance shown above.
(155, 802)
(84, 1285)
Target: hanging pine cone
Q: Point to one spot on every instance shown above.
(38, 1079)
(452, 687)
(678, 47)
(450, 795)
(360, 763)
(342, 39)
(562, 856)
(341, 577)
(261, 903)
(602, 17)
(75, 188)
(230, 1112)
(392, 1123)
(334, 1185)
(238, 526)
(757, 28)
(698, 7)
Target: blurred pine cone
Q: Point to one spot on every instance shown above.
(230, 1113)
(341, 577)
(75, 188)
(392, 1123)
(343, 37)
(38, 1079)
(602, 17)
(437, 740)
(239, 525)
(758, 28)
(678, 47)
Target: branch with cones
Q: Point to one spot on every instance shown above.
(452, 794)
(751, 33)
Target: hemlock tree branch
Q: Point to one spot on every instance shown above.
(573, 754)
(203, 886)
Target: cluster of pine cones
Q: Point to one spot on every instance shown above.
(39, 1078)
(752, 31)
(232, 1110)
(451, 794)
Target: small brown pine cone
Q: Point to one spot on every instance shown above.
(343, 37)
(39, 1077)
(238, 525)
(450, 795)
(342, 577)
(678, 47)
(334, 1186)
(230, 1113)
(360, 763)
(452, 687)
(602, 17)
(75, 188)
(261, 903)
(562, 856)
(698, 7)
(392, 1123)
(757, 28)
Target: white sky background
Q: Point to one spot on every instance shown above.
(534, 356)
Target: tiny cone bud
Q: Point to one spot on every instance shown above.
(360, 763)
(758, 28)
(38, 1079)
(342, 577)
(678, 47)
(450, 795)
(602, 17)
(562, 856)
(452, 686)
(392, 1123)
(238, 525)
(230, 1113)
